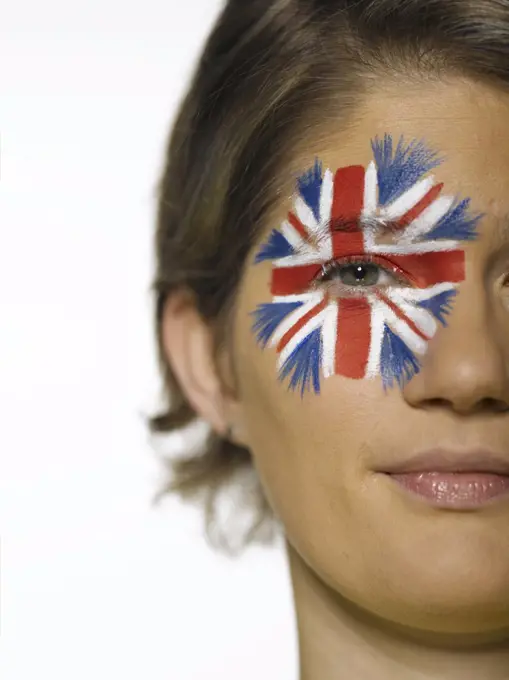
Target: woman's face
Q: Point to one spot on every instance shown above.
(319, 455)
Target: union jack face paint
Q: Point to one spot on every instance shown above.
(347, 216)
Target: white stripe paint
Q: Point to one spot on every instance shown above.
(290, 320)
(325, 246)
(427, 219)
(326, 196)
(369, 235)
(424, 320)
(301, 297)
(299, 337)
(377, 332)
(305, 215)
(329, 338)
(294, 238)
(414, 248)
(413, 295)
(370, 191)
(408, 200)
(312, 257)
(414, 342)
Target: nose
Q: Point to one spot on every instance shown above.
(466, 366)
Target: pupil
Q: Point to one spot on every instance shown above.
(363, 274)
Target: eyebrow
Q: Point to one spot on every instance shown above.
(376, 224)
(380, 226)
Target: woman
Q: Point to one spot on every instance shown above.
(333, 300)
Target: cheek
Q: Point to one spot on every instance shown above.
(310, 452)
(283, 419)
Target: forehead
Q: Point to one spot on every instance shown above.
(465, 122)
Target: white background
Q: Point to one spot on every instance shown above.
(96, 582)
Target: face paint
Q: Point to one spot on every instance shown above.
(327, 315)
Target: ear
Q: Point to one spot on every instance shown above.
(188, 343)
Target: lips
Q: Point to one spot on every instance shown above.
(447, 479)
(446, 460)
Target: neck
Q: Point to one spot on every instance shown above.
(339, 641)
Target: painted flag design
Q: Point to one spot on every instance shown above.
(336, 215)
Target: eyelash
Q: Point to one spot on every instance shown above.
(402, 276)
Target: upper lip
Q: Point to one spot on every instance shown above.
(446, 460)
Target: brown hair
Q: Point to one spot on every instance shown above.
(266, 71)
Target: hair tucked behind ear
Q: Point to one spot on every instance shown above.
(267, 73)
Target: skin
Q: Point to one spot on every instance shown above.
(385, 586)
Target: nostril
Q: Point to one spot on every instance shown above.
(494, 405)
(438, 403)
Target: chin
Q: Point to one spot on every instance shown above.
(439, 598)
(438, 585)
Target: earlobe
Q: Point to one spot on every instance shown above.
(189, 349)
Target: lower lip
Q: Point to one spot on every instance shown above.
(458, 490)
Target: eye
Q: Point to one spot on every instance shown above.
(355, 274)
(350, 276)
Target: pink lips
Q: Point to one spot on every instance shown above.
(458, 481)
